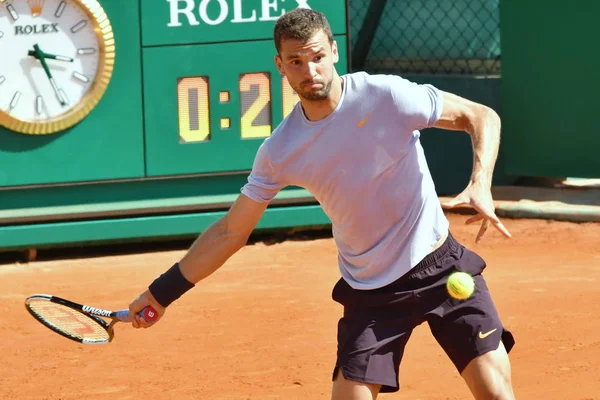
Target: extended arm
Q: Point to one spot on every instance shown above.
(483, 125)
(209, 252)
(222, 239)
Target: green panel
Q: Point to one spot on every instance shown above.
(131, 198)
(95, 231)
(550, 87)
(209, 21)
(91, 195)
(222, 66)
(113, 131)
(134, 208)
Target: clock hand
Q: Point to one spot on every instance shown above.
(51, 56)
(41, 56)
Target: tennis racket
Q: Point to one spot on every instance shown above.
(79, 322)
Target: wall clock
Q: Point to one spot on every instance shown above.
(56, 62)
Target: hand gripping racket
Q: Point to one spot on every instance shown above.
(77, 321)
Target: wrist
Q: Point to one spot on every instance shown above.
(152, 300)
(170, 286)
(481, 179)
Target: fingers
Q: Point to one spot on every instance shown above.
(135, 322)
(491, 217)
(480, 200)
(142, 323)
(484, 227)
(500, 226)
(139, 322)
(486, 221)
(474, 219)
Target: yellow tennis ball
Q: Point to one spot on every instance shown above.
(460, 285)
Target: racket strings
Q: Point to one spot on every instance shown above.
(69, 321)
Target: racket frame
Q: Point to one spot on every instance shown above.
(93, 313)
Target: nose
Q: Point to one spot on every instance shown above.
(311, 70)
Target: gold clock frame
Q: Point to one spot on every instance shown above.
(106, 53)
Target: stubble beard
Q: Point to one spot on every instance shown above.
(315, 95)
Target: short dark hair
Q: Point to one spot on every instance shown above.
(300, 24)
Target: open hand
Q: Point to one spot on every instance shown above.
(479, 197)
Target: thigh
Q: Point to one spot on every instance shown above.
(370, 350)
(371, 339)
(469, 328)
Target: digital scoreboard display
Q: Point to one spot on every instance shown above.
(212, 92)
(255, 117)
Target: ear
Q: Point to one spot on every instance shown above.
(334, 51)
(279, 64)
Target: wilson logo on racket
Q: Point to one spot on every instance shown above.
(96, 311)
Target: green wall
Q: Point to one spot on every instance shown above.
(550, 87)
(155, 159)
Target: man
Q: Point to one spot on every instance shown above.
(353, 142)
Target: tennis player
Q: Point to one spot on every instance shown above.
(353, 142)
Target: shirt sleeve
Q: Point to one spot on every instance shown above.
(263, 182)
(420, 105)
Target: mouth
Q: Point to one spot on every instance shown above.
(313, 85)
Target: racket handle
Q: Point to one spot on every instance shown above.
(148, 313)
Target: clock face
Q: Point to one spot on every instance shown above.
(52, 54)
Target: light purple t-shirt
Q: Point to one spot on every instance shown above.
(365, 165)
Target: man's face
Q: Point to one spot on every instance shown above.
(309, 66)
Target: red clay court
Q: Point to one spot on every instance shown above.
(238, 335)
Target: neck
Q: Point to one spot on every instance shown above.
(316, 110)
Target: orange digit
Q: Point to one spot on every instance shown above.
(192, 99)
(250, 127)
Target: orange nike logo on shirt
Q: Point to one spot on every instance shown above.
(364, 121)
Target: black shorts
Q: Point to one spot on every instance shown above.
(376, 324)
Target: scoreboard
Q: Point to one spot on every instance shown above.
(210, 80)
